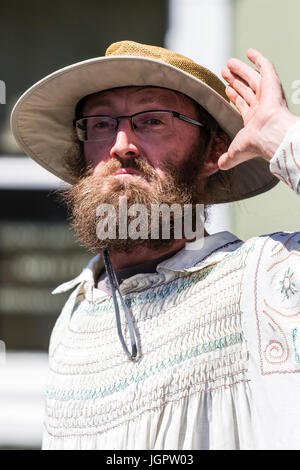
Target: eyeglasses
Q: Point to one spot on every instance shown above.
(146, 124)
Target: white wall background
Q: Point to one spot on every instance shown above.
(22, 387)
(202, 30)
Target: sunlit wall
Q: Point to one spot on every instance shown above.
(271, 26)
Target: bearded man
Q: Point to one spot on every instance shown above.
(165, 344)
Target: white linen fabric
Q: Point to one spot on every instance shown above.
(219, 348)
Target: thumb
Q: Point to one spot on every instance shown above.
(227, 160)
(238, 152)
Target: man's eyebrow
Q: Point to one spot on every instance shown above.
(103, 101)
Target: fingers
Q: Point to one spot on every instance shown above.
(258, 59)
(271, 86)
(243, 71)
(238, 101)
(239, 86)
(263, 83)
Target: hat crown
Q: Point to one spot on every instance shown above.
(131, 48)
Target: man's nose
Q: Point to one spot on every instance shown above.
(126, 142)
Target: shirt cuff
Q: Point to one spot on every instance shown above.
(285, 164)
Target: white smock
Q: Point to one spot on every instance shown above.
(218, 364)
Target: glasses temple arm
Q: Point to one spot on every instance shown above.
(190, 120)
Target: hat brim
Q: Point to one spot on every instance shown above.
(42, 119)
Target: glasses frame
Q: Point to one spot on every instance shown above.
(180, 116)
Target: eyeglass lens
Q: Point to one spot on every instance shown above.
(144, 124)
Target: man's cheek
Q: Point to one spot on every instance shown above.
(93, 153)
(96, 164)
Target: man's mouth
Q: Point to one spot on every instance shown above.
(126, 171)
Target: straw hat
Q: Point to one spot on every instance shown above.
(42, 119)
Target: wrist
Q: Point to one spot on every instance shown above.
(274, 131)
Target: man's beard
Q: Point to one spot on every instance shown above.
(178, 186)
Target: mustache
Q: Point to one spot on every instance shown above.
(140, 165)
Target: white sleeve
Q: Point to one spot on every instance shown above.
(285, 164)
(270, 307)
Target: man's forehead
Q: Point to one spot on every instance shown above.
(138, 95)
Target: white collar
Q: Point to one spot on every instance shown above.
(193, 257)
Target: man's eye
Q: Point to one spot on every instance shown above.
(153, 122)
(101, 124)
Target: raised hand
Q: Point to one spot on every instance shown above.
(259, 97)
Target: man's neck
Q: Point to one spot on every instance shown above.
(143, 254)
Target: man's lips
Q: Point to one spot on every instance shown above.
(126, 171)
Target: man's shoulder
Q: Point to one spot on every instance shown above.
(274, 241)
(269, 249)
(270, 303)
(273, 264)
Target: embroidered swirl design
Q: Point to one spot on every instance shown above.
(276, 352)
